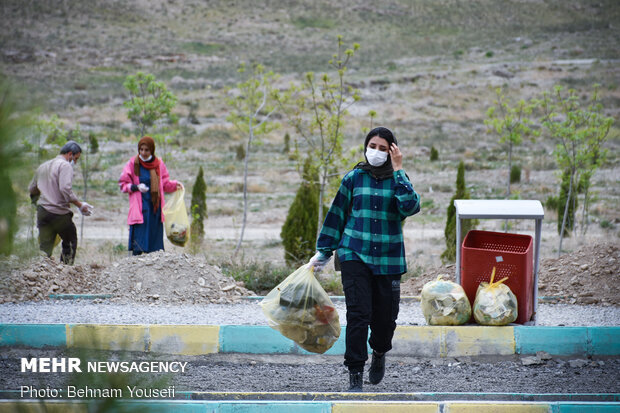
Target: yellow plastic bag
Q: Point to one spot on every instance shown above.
(175, 219)
(444, 303)
(495, 303)
(301, 310)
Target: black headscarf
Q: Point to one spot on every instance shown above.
(386, 170)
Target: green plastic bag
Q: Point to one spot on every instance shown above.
(176, 220)
(495, 303)
(301, 310)
(444, 303)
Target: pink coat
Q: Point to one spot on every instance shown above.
(128, 177)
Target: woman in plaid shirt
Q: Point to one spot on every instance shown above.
(364, 226)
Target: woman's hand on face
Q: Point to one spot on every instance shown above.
(397, 157)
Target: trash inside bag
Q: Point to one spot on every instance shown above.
(301, 310)
(176, 220)
(495, 303)
(444, 303)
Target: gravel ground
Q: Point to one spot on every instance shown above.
(249, 313)
(320, 373)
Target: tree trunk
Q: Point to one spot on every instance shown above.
(85, 173)
(323, 183)
(568, 197)
(509, 167)
(245, 189)
(82, 216)
(584, 216)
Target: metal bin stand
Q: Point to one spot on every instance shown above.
(501, 209)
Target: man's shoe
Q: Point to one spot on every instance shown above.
(377, 368)
(356, 381)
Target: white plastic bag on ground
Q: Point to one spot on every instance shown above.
(495, 303)
(444, 303)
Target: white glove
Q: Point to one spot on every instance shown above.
(143, 188)
(86, 209)
(318, 262)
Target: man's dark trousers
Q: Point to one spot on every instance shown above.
(51, 225)
(372, 301)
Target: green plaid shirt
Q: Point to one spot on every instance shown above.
(364, 221)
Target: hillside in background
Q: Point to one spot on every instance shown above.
(427, 68)
(91, 46)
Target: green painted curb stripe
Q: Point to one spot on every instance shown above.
(254, 340)
(567, 341)
(554, 340)
(586, 407)
(270, 407)
(265, 340)
(79, 296)
(161, 406)
(33, 335)
(604, 341)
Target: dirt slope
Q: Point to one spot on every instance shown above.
(590, 275)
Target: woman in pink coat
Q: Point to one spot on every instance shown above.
(145, 178)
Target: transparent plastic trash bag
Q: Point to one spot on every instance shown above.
(495, 303)
(444, 303)
(176, 220)
(301, 310)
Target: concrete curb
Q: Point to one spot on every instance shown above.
(414, 341)
(317, 407)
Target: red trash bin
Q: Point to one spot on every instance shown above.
(511, 255)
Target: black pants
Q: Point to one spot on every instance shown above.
(51, 225)
(372, 300)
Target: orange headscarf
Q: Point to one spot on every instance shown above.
(152, 166)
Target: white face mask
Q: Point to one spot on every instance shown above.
(146, 160)
(72, 162)
(376, 157)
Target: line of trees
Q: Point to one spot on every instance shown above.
(316, 109)
(578, 128)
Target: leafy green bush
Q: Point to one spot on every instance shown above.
(198, 209)
(260, 277)
(434, 154)
(240, 152)
(449, 255)
(552, 203)
(300, 228)
(515, 174)
(10, 159)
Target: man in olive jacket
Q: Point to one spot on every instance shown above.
(52, 188)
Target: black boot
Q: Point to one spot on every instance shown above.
(356, 381)
(377, 368)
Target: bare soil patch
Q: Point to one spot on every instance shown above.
(589, 275)
(159, 277)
